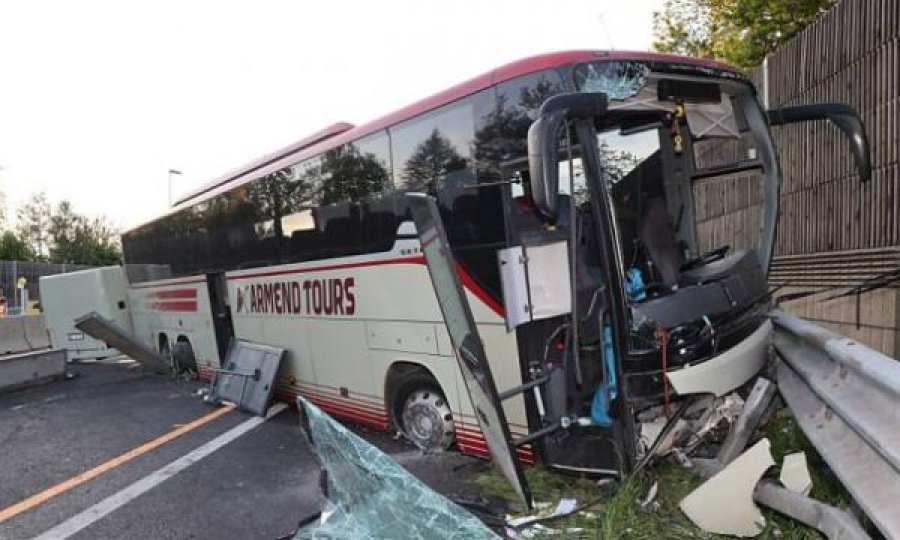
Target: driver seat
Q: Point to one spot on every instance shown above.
(658, 237)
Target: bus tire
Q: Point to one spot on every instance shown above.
(421, 411)
(183, 357)
(164, 349)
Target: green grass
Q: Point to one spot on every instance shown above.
(619, 515)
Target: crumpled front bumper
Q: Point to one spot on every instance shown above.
(723, 373)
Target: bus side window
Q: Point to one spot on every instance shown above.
(518, 101)
(337, 209)
(434, 151)
(377, 213)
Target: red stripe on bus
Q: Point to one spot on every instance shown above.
(178, 306)
(419, 259)
(375, 411)
(330, 390)
(481, 450)
(458, 420)
(476, 440)
(175, 293)
(467, 281)
(468, 442)
(348, 413)
(354, 394)
(476, 289)
(205, 373)
(167, 283)
(342, 412)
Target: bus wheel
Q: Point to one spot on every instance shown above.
(424, 415)
(183, 357)
(164, 350)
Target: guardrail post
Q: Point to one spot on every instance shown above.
(741, 431)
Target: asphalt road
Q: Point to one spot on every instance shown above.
(256, 486)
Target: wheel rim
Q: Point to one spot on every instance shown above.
(428, 420)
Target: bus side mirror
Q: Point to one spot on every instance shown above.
(844, 117)
(543, 144)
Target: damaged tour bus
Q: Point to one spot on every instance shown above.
(562, 213)
(621, 307)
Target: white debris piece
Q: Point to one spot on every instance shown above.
(724, 503)
(565, 506)
(795, 473)
(651, 496)
(650, 432)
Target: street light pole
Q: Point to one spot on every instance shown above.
(171, 172)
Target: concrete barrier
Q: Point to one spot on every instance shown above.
(31, 367)
(36, 331)
(12, 335)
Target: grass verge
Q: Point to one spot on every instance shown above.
(618, 514)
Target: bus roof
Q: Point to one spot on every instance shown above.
(266, 159)
(341, 133)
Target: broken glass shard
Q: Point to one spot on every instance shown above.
(369, 495)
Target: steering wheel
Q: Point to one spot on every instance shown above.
(706, 258)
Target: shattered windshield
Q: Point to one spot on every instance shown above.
(618, 80)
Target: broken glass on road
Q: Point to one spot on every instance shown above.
(369, 495)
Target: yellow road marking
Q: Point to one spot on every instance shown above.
(49, 493)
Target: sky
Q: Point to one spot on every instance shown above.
(99, 99)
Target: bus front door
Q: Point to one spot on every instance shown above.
(476, 373)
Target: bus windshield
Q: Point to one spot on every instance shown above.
(674, 169)
(688, 168)
(695, 145)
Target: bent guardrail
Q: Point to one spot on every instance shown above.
(846, 398)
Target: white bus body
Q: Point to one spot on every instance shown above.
(379, 313)
(65, 297)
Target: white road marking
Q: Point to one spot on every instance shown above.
(112, 503)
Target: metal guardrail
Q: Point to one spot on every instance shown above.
(846, 398)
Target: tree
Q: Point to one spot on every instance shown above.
(740, 32)
(504, 130)
(434, 158)
(13, 248)
(34, 221)
(350, 175)
(279, 194)
(77, 239)
(2, 208)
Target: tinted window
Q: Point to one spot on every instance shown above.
(353, 172)
(343, 202)
(518, 102)
(351, 180)
(267, 211)
(435, 150)
(448, 153)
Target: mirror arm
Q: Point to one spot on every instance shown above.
(843, 116)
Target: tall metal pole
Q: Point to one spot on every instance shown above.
(171, 172)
